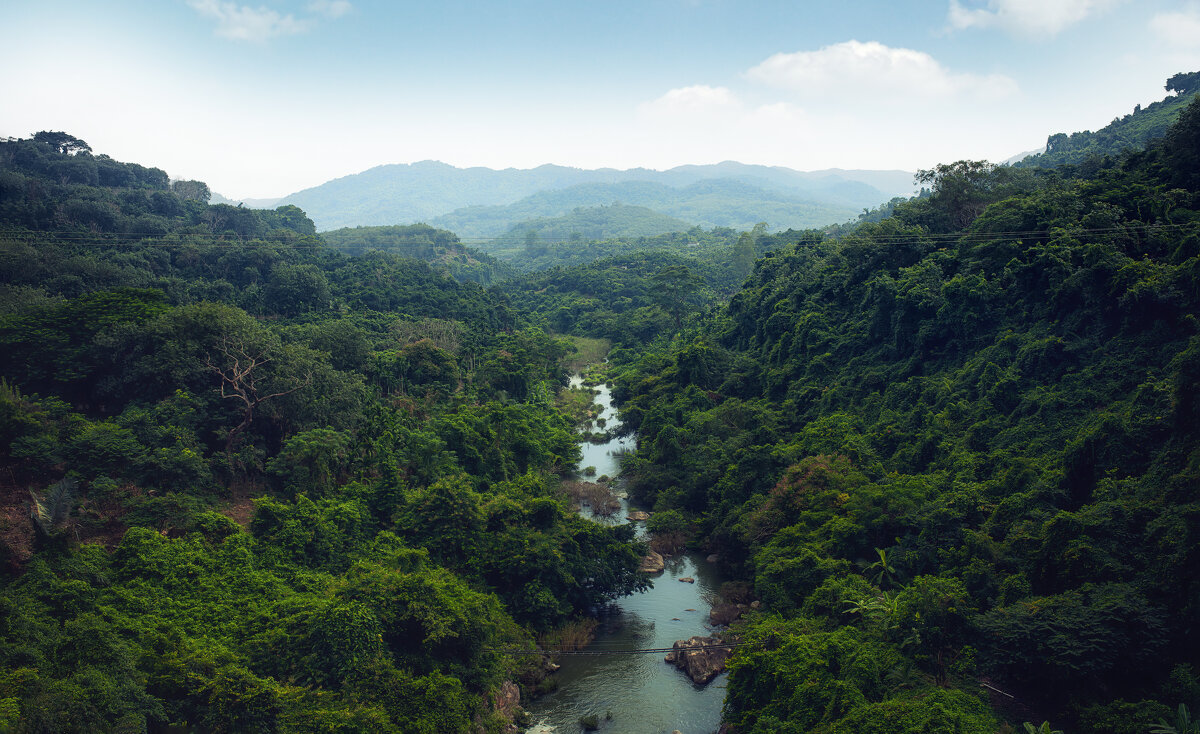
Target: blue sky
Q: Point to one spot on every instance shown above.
(265, 98)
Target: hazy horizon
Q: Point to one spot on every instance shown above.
(265, 100)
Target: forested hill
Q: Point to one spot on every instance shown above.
(617, 220)
(251, 484)
(1133, 131)
(437, 246)
(425, 191)
(956, 455)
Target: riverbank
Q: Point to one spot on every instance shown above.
(628, 692)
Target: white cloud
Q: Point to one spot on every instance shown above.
(1026, 17)
(1180, 29)
(330, 8)
(852, 104)
(864, 69)
(697, 99)
(243, 23)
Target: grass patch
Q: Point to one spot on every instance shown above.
(571, 636)
(578, 405)
(589, 351)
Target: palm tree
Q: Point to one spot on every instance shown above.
(1183, 723)
(51, 511)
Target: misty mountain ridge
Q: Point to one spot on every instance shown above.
(427, 190)
(719, 202)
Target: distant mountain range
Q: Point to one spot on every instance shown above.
(483, 202)
(247, 203)
(716, 202)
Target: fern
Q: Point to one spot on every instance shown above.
(51, 511)
(1183, 723)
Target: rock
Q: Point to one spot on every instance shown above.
(637, 515)
(698, 659)
(652, 563)
(687, 580)
(724, 613)
(755, 604)
(713, 558)
(507, 703)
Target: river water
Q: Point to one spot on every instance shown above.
(642, 693)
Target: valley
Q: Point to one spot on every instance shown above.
(336, 469)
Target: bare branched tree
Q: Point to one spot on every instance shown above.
(240, 369)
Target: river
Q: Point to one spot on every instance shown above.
(642, 693)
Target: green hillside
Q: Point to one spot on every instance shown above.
(955, 455)
(422, 242)
(1131, 132)
(582, 224)
(249, 483)
(253, 479)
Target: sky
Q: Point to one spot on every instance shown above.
(274, 96)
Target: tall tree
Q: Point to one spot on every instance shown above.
(674, 289)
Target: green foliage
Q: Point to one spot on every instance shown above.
(617, 298)
(311, 461)
(804, 678)
(236, 700)
(421, 242)
(964, 430)
(1182, 723)
(1080, 638)
(164, 362)
(591, 223)
(939, 450)
(939, 710)
(1133, 131)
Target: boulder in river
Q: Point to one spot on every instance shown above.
(652, 563)
(697, 657)
(687, 579)
(635, 515)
